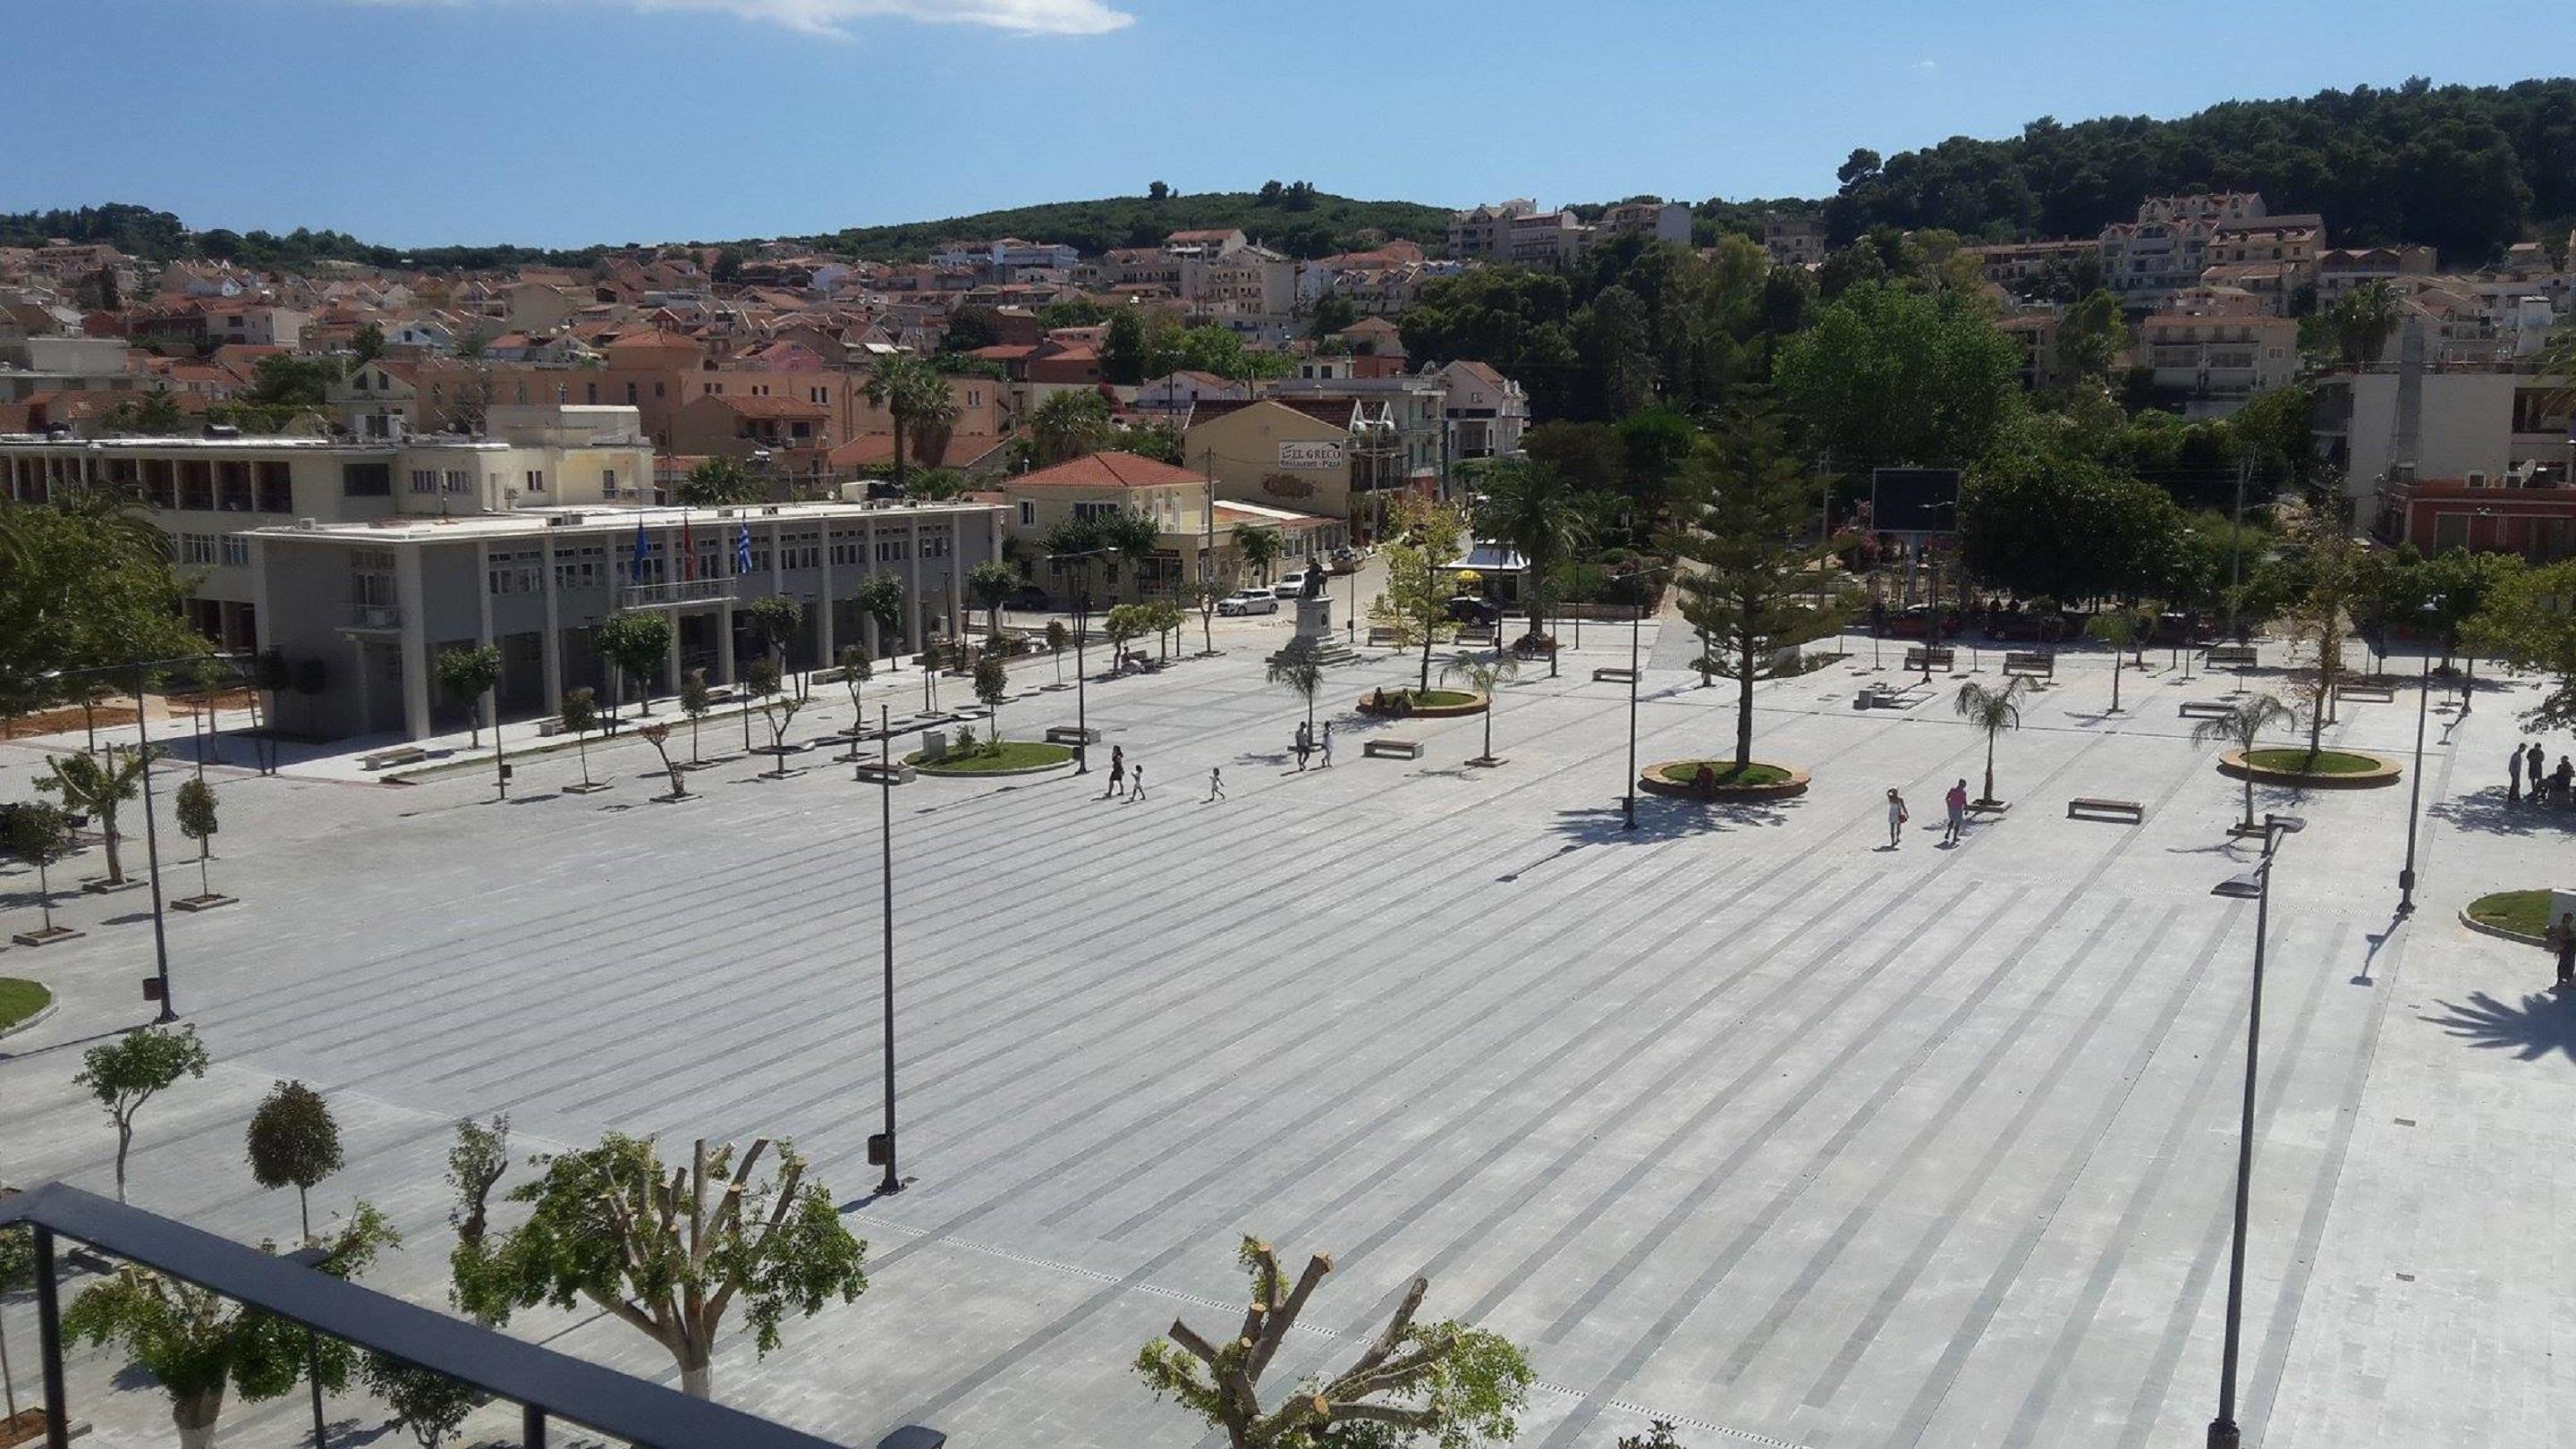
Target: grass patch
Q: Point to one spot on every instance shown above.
(1439, 698)
(21, 998)
(1683, 772)
(2327, 762)
(1013, 755)
(2523, 911)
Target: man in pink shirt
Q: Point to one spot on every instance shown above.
(1957, 801)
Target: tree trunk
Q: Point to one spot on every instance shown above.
(124, 1143)
(45, 894)
(195, 1415)
(2117, 664)
(1489, 726)
(1743, 704)
(2249, 789)
(698, 1380)
(303, 1213)
(1990, 766)
(107, 832)
(896, 418)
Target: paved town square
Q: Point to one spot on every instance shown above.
(1738, 1120)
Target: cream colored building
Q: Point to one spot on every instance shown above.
(1195, 528)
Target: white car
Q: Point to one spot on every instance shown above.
(1289, 587)
(1248, 601)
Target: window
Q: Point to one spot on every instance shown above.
(630, 394)
(424, 480)
(578, 568)
(459, 481)
(366, 480)
(935, 546)
(1028, 513)
(237, 550)
(536, 478)
(893, 550)
(657, 389)
(590, 392)
(607, 482)
(515, 573)
(196, 548)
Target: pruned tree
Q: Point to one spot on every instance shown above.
(99, 785)
(1746, 510)
(2330, 580)
(1438, 1383)
(991, 583)
(465, 674)
(1991, 712)
(1124, 622)
(992, 686)
(778, 714)
(2242, 725)
(195, 808)
(856, 670)
(773, 622)
(293, 1142)
(881, 597)
(610, 1225)
(638, 643)
(697, 702)
(659, 737)
(197, 1345)
(133, 1069)
(1481, 673)
(2123, 627)
(759, 682)
(580, 714)
(475, 1164)
(40, 833)
(1057, 637)
(17, 1272)
(429, 1405)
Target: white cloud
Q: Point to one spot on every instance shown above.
(833, 17)
(1927, 65)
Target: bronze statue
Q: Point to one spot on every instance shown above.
(1314, 586)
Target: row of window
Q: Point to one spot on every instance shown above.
(588, 567)
(204, 550)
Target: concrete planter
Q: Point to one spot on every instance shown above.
(1652, 781)
(2499, 932)
(55, 936)
(203, 903)
(2232, 765)
(1477, 705)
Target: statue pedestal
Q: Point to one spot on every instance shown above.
(1315, 618)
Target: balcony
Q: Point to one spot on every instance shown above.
(673, 595)
(372, 619)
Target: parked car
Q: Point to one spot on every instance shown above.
(1344, 559)
(1249, 601)
(1469, 609)
(1290, 586)
(1027, 596)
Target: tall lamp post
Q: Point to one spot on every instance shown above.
(891, 1183)
(1081, 629)
(2254, 885)
(2415, 783)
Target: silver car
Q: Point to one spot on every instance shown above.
(1248, 601)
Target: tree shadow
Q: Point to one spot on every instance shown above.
(2543, 1023)
(1661, 818)
(2486, 810)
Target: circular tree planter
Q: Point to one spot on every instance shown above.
(2510, 915)
(1430, 704)
(2334, 770)
(1674, 778)
(1017, 757)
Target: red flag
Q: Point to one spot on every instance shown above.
(688, 546)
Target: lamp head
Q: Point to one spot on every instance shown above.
(2244, 887)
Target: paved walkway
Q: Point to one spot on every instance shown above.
(1738, 1119)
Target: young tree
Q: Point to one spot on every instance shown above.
(475, 1163)
(697, 702)
(1754, 592)
(856, 670)
(1528, 505)
(1057, 637)
(580, 715)
(1991, 712)
(430, 1406)
(1481, 672)
(991, 583)
(638, 643)
(1442, 1384)
(294, 1142)
(1298, 668)
(778, 714)
(1260, 549)
(466, 674)
(40, 833)
(773, 622)
(759, 682)
(2119, 626)
(2330, 581)
(992, 686)
(1424, 540)
(2242, 726)
(659, 737)
(1165, 618)
(99, 785)
(611, 1225)
(881, 597)
(197, 1344)
(1125, 622)
(17, 1273)
(133, 1069)
(196, 812)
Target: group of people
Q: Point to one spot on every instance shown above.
(1954, 802)
(1308, 742)
(2548, 787)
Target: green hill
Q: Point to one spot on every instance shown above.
(1295, 219)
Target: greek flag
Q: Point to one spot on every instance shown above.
(742, 550)
(635, 569)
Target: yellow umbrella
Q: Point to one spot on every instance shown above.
(1470, 576)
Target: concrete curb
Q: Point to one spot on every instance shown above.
(44, 1013)
(2232, 765)
(2499, 932)
(1652, 782)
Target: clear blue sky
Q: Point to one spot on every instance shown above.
(562, 122)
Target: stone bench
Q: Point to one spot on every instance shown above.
(1929, 658)
(2030, 664)
(1880, 696)
(1071, 735)
(2084, 807)
(387, 759)
(2205, 708)
(1382, 637)
(2229, 656)
(2366, 693)
(1394, 749)
(1610, 675)
(878, 773)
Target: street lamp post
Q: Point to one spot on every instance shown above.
(1636, 622)
(2255, 884)
(152, 851)
(891, 1183)
(1082, 628)
(2415, 785)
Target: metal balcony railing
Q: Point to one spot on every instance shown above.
(685, 591)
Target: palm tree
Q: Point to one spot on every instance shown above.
(1991, 711)
(1481, 672)
(1529, 506)
(2117, 627)
(99, 784)
(914, 396)
(1297, 667)
(2364, 321)
(1259, 547)
(2241, 726)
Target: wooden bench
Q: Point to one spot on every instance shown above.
(399, 755)
(1477, 633)
(2030, 664)
(1382, 637)
(2206, 708)
(1071, 735)
(2366, 693)
(1610, 675)
(1927, 658)
(2229, 656)
(2085, 808)
(1394, 749)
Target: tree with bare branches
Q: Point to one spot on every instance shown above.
(1438, 1383)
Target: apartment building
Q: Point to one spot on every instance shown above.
(2168, 247)
(2340, 269)
(1485, 413)
(1485, 230)
(1545, 239)
(1007, 257)
(2014, 266)
(2481, 424)
(1203, 244)
(374, 604)
(1243, 282)
(1658, 220)
(2034, 330)
(1793, 241)
(2214, 347)
(208, 494)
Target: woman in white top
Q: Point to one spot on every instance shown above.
(1895, 818)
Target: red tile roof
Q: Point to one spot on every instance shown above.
(1109, 470)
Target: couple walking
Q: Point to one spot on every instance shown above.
(1954, 802)
(1308, 742)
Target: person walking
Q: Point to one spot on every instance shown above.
(2560, 779)
(1136, 791)
(1117, 772)
(1896, 818)
(1216, 784)
(2562, 939)
(2513, 777)
(1956, 804)
(1328, 746)
(1304, 744)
